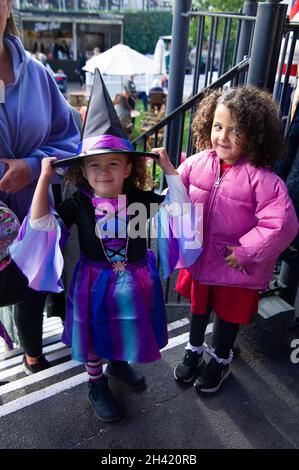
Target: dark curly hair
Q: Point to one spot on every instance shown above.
(139, 177)
(257, 117)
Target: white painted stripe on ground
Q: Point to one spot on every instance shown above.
(18, 359)
(52, 327)
(52, 330)
(18, 369)
(51, 321)
(177, 324)
(59, 387)
(39, 395)
(34, 378)
(57, 331)
(177, 340)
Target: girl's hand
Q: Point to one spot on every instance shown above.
(232, 260)
(17, 175)
(164, 161)
(47, 170)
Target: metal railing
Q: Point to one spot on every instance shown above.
(228, 78)
(189, 106)
(218, 36)
(285, 78)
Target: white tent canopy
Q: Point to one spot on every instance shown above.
(121, 60)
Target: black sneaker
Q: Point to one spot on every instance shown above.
(102, 401)
(124, 372)
(212, 377)
(30, 369)
(187, 370)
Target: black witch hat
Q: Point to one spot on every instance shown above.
(102, 133)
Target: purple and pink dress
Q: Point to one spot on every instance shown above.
(113, 313)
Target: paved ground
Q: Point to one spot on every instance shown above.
(257, 408)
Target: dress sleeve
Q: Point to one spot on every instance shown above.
(37, 253)
(179, 228)
(46, 223)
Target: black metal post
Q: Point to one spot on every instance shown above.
(249, 9)
(179, 49)
(267, 38)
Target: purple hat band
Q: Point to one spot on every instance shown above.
(106, 141)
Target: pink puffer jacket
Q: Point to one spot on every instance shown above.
(248, 208)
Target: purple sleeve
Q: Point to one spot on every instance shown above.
(38, 254)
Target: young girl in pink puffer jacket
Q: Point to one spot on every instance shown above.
(248, 221)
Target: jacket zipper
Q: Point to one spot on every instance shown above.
(213, 196)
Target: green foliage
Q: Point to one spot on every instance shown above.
(229, 6)
(143, 28)
(218, 5)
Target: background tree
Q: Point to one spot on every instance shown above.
(228, 6)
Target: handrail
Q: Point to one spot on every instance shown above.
(220, 14)
(226, 77)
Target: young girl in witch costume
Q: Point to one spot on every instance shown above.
(248, 220)
(115, 307)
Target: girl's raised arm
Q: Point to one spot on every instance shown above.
(40, 201)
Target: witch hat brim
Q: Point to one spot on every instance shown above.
(102, 133)
(79, 159)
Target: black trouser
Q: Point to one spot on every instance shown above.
(29, 321)
(224, 333)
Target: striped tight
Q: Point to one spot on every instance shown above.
(94, 367)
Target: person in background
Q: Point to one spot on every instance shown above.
(133, 94)
(123, 111)
(164, 82)
(79, 69)
(35, 122)
(156, 85)
(90, 76)
(288, 170)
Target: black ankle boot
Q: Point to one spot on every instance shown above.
(213, 376)
(102, 401)
(124, 372)
(188, 369)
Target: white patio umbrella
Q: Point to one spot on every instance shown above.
(159, 57)
(121, 60)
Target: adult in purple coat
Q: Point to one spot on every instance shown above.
(35, 122)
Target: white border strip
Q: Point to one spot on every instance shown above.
(59, 387)
(6, 363)
(34, 378)
(20, 368)
(40, 395)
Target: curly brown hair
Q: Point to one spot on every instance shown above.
(257, 117)
(139, 177)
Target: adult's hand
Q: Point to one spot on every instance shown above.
(17, 175)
